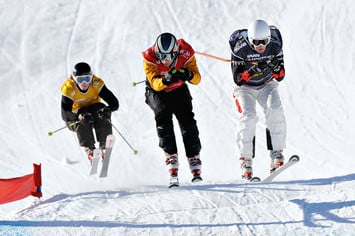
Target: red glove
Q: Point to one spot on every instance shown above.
(245, 76)
(279, 75)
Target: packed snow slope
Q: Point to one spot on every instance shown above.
(40, 41)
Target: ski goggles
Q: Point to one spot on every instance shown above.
(258, 42)
(83, 79)
(166, 56)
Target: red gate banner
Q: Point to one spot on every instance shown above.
(18, 188)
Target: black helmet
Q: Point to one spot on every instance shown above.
(166, 46)
(82, 68)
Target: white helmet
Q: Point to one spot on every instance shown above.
(259, 33)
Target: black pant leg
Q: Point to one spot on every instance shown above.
(183, 111)
(85, 135)
(159, 103)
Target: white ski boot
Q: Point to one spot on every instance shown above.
(173, 163)
(246, 168)
(277, 160)
(195, 167)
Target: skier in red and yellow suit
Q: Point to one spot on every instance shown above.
(169, 64)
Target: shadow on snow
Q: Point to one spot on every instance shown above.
(309, 209)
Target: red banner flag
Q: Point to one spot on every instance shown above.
(18, 188)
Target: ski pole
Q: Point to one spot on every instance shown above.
(50, 133)
(134, 150)
(212, 56)
(139, 82)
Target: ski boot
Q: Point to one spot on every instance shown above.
(195, 167)
(89, 153)
(173, 163)
(246, 168)
(277, 160)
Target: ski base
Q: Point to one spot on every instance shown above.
(110, 141)
(292, 160)
(95, 161)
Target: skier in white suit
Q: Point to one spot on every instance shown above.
(257, 67)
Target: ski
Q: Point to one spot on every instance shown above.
(110, 141)
(293, 160)
(95, 161)
(174, 182)
(252, 179)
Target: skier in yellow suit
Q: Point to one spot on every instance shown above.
(83, 108)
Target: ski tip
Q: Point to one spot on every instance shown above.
(173, 186)
(294, 158)
(255, 179)
(196, 179)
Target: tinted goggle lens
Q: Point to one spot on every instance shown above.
(83, 79)
(166, 56)
(257, 42)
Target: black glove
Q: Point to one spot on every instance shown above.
(86, 118)
(104, 113)
(169, 78)
(183, 74)
(275, 64)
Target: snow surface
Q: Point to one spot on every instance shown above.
(42, 40)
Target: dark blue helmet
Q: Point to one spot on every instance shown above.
(166, 46)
